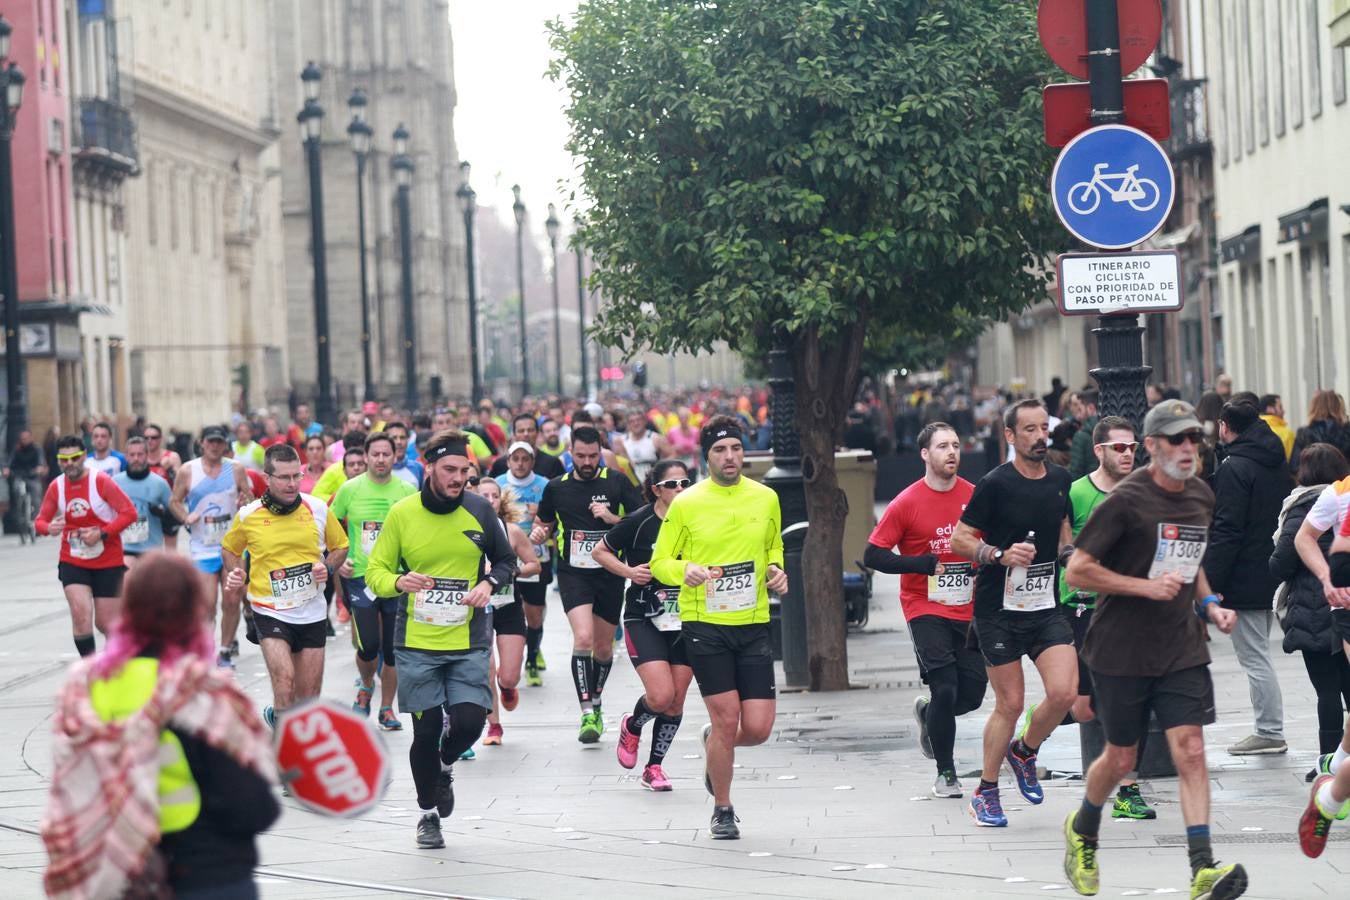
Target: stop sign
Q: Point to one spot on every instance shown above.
(330, 758)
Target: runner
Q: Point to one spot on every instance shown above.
(1114, 443)
(104, 459)
(285, 534)
(1330, 796)
(363, 502)
(353, 444)
(89, 511)
(432, 549)
(246, 451)
(525, 429)
(651, 616)
(642, 446)
(721, 541)
(206, 494)
(1141, 552)
(936, 589)
(508, 620)
(316, 462)
(165, 463)
(581, 506)
(1016, 527)
(409, 470)
(150, 494)
(531, 590)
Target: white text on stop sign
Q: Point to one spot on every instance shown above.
(334, 769)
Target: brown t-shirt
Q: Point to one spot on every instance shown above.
(1143, 531)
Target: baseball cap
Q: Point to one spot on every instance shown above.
(519, 445)
(595, 409)
(1171, 417)
(215, 433)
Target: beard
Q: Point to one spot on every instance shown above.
(1172, 469)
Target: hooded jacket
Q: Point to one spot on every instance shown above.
(1249, 489)
(1307, 627)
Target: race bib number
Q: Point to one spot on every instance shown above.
(1180, 550)
(951, 584)
(582, 543)
(667, 616)
(442, 604)
(292, 586)
(137, 532)
(1037, 592)
(541, 551)
(504, 597)
(732, 588)
(80, 550)
(211, 530)
(370, 532)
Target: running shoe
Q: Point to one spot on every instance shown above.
(723, 826)
(510, 698)
(599, 717)
(270, 717)
(947, 787)
(223, 660)
(234, 648)
(653, 779)
(627, 748)
(1080, 859)
(364, 694)
(539, 661)
(493, 738)
(921, 716)
(343, 616)
(468, 754)
(1314, 825)
(1324, 764)
(590, 729)
(1130, 804)
(1025, 772)
(1025, 722)
(445, 792)
(532, 675)
(1219, 882)
(707, 779)
(986, 809)
(429, 832)
(389, 721)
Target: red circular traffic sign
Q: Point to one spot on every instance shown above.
(330, 758)
(1063, 28)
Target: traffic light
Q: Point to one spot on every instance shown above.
(639, 374)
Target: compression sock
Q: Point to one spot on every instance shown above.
(642, 714)
(581, 679)
(599, 675)
(84, 644)
(663, 737)
(987, 786)
(533, 638)
(1089, 819)
(1198, 846)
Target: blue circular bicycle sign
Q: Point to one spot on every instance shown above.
(1113, 186)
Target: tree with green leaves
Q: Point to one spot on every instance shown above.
(819, 173)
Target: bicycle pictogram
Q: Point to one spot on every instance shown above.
(1141, 194)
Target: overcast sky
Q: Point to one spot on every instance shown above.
(509, 122)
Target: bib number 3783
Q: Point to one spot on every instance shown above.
(442, 604)
(732, 588)
(292, 586)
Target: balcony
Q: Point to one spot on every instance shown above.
(106, 138)
(1190, 130)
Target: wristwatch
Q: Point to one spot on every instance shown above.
(997, 556)
(492, 580)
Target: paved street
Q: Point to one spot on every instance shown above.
(836, 805)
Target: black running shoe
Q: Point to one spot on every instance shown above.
(723, 827)
(429, 831)
(445, 793)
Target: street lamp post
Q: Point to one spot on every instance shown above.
(311, 125)
(402, 165)
(581, 310)
(552, 226)
(360, 133)
(11, 97)
(468, 205)
(519, 209)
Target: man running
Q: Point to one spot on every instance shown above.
(581, 506)
(246, 451)
(722, 542)
(1113, 443)
(1146, 647)
(1016, 528)
(409, 470)
(206, 494)
(531, 590)
(525, 429)
(1330, 797)
(89, 511)
(432, 549)
(363, 503)
(150, 494)
(165, 463)
(936, 590)
(104, 459)
(285, 534)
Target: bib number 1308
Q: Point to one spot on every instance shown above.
(1180, 549)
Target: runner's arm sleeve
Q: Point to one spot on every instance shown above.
(121, 504)
(671, 541)
(883, 560)
(382, 566)
(48, 510)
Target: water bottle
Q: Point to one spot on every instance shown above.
(1018, 574)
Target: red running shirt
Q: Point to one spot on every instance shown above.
(921, 521)
(109, 509)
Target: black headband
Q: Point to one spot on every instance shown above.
(713, 435)
(449, 448)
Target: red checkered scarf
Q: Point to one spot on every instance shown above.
(102, 817)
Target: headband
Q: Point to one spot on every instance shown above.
(449, 448)
(713, 435)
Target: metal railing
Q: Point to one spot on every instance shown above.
(1190, 126)
(106, 133)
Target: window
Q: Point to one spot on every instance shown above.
(1338, 75)
(1277, 65)
(1261, 87)
(1293, 60)
(1221, 100)
(1314, 60)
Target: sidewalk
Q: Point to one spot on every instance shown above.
(836, 804)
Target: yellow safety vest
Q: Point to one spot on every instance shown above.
(115, 698)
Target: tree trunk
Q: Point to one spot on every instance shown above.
(827, 378)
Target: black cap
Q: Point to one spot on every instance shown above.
(215, 432)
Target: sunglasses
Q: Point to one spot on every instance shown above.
(70, 457)
(1195, 437)
(671, 484)
(152, 437)
(473, 480)
(1122, 446)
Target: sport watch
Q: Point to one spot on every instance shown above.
(997, 556)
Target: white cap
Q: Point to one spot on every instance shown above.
(519, 445)
(595, 409)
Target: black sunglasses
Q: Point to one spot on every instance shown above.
(671, 484)
(473, 481)
(1195, 437)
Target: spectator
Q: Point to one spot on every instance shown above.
(1153, 393)
(859, 433)
(1326, 425)
(1061, 441)
(1051, 400)
(1223, 386)
(1301, 603)
(1207, 411)
(1249, 490)
(1272, 413)
(1081, 458)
